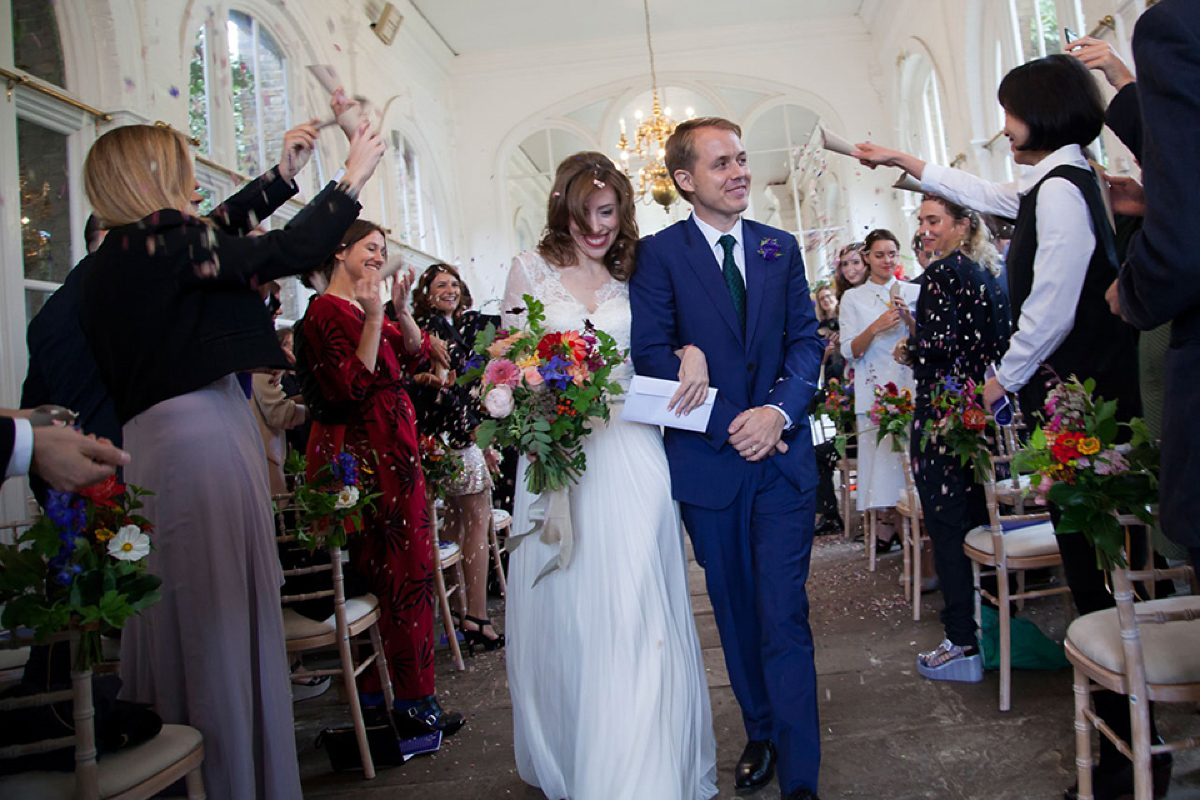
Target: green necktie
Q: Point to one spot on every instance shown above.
(733, 279)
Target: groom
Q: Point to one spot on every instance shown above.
(736, 290)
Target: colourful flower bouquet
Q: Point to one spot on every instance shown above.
(82, 564)
(837, 405)
(331, 503)
(440, 463)
(1082, 470)
(961, 426)
(892, 414)
(541, 391)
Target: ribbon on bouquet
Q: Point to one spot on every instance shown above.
(551, 515)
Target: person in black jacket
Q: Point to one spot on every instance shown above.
(171, 313)
(962, 327)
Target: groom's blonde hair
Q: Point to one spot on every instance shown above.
(681, 151)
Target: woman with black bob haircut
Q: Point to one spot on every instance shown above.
(1060, 263)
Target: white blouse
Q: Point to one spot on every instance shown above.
(861, 306)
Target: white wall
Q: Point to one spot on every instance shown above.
(501, 97)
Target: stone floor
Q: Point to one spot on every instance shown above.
(887, 733)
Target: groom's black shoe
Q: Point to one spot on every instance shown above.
(801, 794)
(756, 767)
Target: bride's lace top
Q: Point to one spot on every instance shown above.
(607, 309)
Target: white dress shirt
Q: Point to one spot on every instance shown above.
(22, 452)
(1066, 240)
(712, 236)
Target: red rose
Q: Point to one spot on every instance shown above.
(974, 419)
(550, 345)
(102, 493)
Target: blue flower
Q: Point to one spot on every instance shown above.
(62, 571)
(554, 372)
(769, 249)
(953, 384)
(345, 469)
(475, 361)
(66, 510)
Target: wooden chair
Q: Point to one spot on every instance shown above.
(1004, 551)
(1147, 650)
(501, 520)
(447, 557)
(847, 471)
(133, 773)
(351, 618)
(912, 539)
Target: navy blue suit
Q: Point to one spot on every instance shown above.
(751, 523)
(1160, 280)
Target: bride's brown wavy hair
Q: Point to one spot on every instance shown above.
(578, 178)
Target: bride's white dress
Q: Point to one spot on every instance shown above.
(608, 686)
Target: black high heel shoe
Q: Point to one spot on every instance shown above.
(478, 637)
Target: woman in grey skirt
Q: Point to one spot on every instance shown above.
(171, 314)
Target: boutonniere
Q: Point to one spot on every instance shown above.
(769, 249)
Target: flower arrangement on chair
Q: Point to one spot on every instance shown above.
(892, 414)
(440, 464)
(81, 565)
(541, 391)
(331, 504)
(837, 405)
(961, 426)
(1082, 469)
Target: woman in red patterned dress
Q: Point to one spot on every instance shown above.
(357, 357)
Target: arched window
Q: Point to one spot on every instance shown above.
(238, 92)
(922, 124)
(530, 174)
(416, 223)
(1036, 26)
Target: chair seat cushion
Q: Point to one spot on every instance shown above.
(118, 771)
(1171, 649)
(500, 518)
(1030, 541)
(447, 550)
(298, 626)
(12, 659)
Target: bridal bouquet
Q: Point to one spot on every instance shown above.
(961, 426)
(332, 502)
(82, 564)
(1083, 471)
(892, 414)
(541, 391)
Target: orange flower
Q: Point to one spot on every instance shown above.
(1089, 446)
(579, 373)
(500, 347)
(974, 419)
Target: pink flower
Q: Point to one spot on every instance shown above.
(498, 402)
(501, 372)
(533, 377)
(1110, 462)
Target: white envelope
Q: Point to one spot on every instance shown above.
(647, 398)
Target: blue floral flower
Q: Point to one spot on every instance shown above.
(345, 469)
(66, 510)
(475, 361)
(62, 571)
(953, 384)
(554, 372)
(769, 249)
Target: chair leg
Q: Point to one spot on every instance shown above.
(1143, 779)
(381, 666)
(918, 555)
(356, 715)
(977, 579)
(1021, 590)
(1005, 638)
(869, 538)
(439, 582)
(1083, 735)
(494, 543)
(194, 781)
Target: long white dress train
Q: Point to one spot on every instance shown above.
(609, 693)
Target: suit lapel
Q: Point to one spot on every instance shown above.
(703, 262)
(756, 278)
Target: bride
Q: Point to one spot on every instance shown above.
(608, 686)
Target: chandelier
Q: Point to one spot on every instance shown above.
(648, 148)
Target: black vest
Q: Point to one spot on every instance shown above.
(1100, 345)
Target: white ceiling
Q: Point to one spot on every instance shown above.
(477, 26)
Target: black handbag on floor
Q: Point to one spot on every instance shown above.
(342, 747)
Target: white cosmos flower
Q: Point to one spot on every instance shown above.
(347, 497)
(130, 544)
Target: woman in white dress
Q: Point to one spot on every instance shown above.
(874, 317)
(609, 692)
